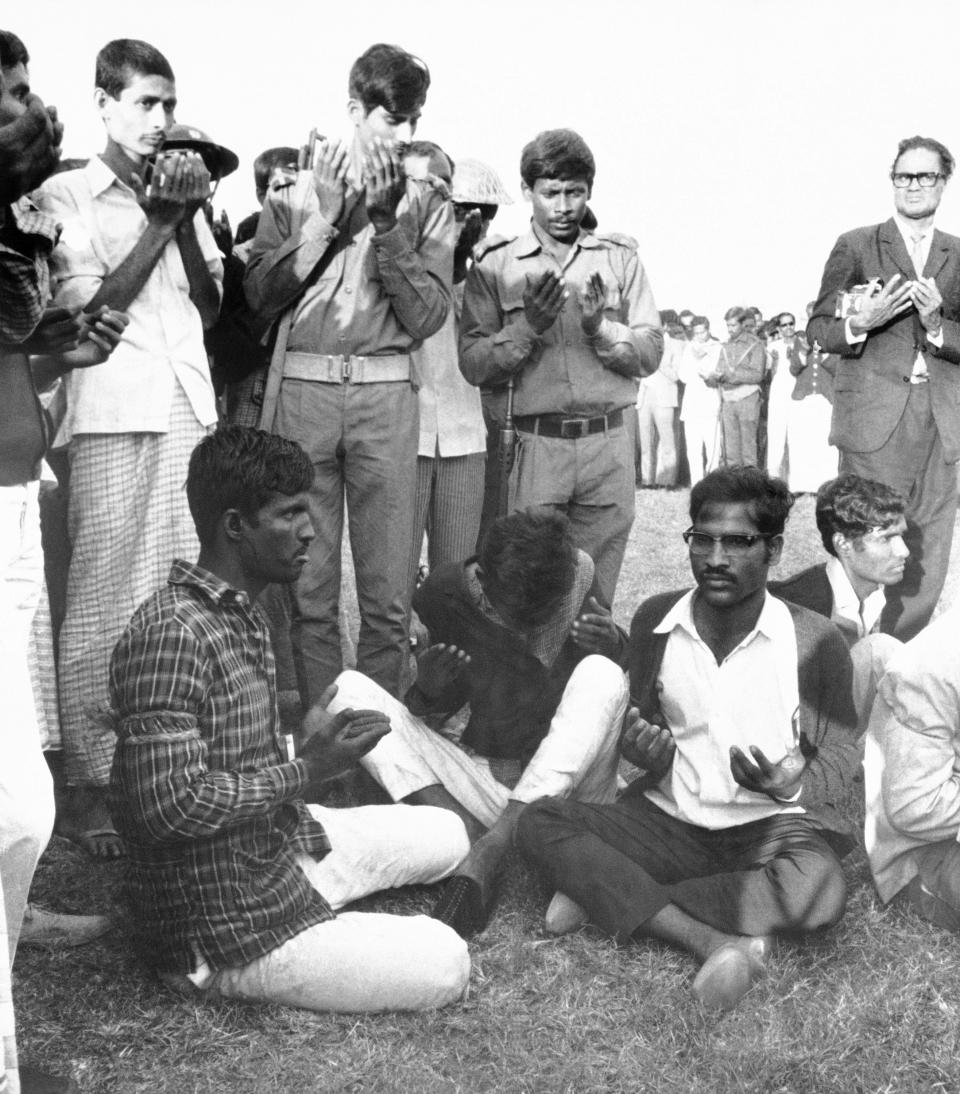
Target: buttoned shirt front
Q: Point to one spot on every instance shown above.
(698, 360)
(741, 355)
(162, 346)
(355, 292)
(848, 613)
(752, 698)
(451, 418)
(208, 807)
(562, 370)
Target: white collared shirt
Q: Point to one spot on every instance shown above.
(133, 390)
(752, 698)
(846, 603)
(908, 230)
(451, 418)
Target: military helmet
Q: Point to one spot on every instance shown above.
(475, 183)
(218, 160)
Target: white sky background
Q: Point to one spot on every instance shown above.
(735, 140)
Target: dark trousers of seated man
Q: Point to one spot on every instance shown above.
(623, 863)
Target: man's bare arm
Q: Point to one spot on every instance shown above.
(164, 202)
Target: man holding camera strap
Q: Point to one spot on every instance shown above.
(896, 410)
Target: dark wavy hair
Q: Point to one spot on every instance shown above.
(769, 499)
(853, 506)
(390, 77)
(557, 154)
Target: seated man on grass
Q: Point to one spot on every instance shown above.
(911, 769)
(742, 721)
(235, 882)
(862, 526)
(519, 634)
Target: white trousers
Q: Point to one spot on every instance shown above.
(577, 758)
(365, 961)
(26, 789)
(813, 459)
(701, 431)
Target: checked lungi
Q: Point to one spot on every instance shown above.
(128, 519)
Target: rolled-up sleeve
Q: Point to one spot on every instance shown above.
(161, 771)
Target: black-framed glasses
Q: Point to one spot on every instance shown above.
(927, 179)
(733, 543)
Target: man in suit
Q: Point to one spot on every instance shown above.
(889, 306)
(862, 526)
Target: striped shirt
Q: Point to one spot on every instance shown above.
(210, 810)
(26, 240)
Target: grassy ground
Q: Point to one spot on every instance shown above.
(873, 1006)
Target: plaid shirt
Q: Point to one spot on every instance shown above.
(27, 238)
(200, 791)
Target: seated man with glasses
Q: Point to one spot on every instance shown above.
(896, 406)
(741, 719)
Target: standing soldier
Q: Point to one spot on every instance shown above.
(569, 315)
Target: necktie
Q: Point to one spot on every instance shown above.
(916, 254)
(919, 372)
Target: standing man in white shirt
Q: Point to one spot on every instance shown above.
(134, 238)
(896, 407)
(741, 720)
(700, 405)
(451, 457)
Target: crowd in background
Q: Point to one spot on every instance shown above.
(414, 377)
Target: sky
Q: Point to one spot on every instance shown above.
(734, 140)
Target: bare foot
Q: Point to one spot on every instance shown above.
(85, 821)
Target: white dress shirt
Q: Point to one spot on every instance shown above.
(451, 419)
(752, 698)
(846, 604)
(133, 390)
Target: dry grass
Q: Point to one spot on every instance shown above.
(873, 1006)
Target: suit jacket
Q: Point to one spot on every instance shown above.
(872, 381)
(810, 589)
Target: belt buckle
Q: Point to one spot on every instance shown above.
(572, 429)
(346, 370)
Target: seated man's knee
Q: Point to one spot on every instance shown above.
(602, 684)
(539, 823)
(812, 888)
(455, 970)
(356, 690)
(447, 971)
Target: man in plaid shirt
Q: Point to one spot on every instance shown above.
(236, 882)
